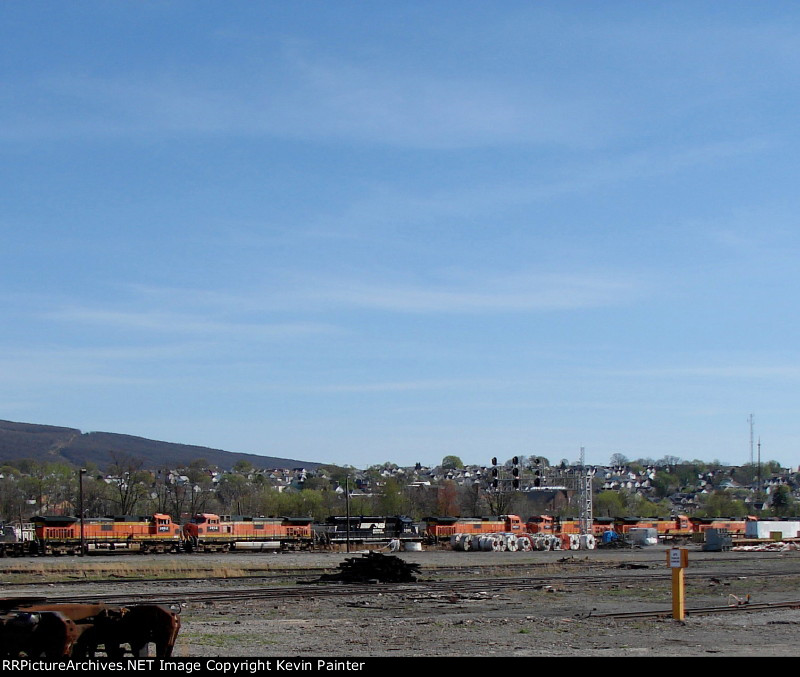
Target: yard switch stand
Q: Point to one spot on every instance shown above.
(678, 560)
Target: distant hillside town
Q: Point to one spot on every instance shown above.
(522, 485)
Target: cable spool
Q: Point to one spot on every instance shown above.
(587, 542)
(524, 543)
(574, 542)
(455, 542)
(511, 542)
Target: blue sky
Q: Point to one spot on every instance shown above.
(353, 232)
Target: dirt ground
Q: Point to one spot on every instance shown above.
(558, 618)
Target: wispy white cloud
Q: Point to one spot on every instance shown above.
(789, 371)
(380, 207)
(173, 323)
(256, 313)
(530, 293)
(307, 96)
(384, 386)
(64, 368)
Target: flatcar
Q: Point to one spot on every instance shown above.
(367, 529)
(61, 535)
(208, 532)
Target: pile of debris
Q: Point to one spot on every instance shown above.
(618, 543)
(773, 546)
(374, 567)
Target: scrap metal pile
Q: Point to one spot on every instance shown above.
(30, 627)
(374, 567)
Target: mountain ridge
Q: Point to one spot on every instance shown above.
(48, 443)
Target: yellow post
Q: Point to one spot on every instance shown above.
(678, 560)
(678, 601)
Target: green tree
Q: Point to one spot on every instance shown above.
(746, 474)
(665, 484)
(243, 466)
(452, 463)
(610, 504)
(641, 507)
(234, 494)
(392, 499)
(721, 504)
(782, 502)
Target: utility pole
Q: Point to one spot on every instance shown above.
(347, 504)
(758, 495)
(751, 420)
(81, 473)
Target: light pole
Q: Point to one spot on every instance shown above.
(347, 507)
(80, 508)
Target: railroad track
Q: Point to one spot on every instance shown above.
(459, 585)
(731, 608)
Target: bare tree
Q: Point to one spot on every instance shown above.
(130, 483)
(447, 499)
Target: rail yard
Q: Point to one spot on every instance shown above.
(590, 603)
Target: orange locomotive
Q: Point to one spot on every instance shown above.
(669, 528)
(735, 527)
(208, 532)
(442, 528)
(666, 528)
(57, 535)
(547, 524)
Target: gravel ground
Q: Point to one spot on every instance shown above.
(554, 620)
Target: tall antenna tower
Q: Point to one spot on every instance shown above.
(751, 419)
(585, 490)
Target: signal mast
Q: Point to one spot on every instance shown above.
(586, 517)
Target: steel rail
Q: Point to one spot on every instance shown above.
(731, 608)
(471, 585)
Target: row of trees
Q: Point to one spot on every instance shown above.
(28, 488)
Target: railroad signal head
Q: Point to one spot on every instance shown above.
(515, 460)
(494, 461)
